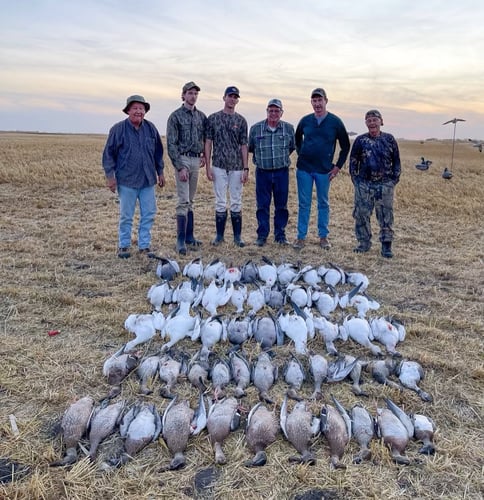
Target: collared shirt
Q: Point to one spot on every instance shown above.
(185, 133)
(134, 156)
(316, 143)
(375, 159)
(228, 132)
(271, 148)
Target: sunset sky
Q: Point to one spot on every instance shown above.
(69, 66)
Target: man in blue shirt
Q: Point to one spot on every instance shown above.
(316, 138)
(271, 142)
(133, 164)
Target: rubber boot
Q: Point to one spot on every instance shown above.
(220, 221)
(386, 249)
(189, 238)
(181, 230)
(237, 228)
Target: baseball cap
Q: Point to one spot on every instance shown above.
(190, 85)
(232, 90)
(275, 102)
(375, 113)
(319, 92)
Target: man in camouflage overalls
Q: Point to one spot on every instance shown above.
(375, 170)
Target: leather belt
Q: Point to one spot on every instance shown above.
(192, 155)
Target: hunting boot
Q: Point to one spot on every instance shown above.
(189, 238)
(237, 228)
(181, 231)
(386, 249)
(220, 221)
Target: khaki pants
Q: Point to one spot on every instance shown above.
(186, 191)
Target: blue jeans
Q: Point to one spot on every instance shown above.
(270, 183)
(305, 182)
(147, 209)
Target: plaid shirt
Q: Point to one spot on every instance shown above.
(185, 133)
(271, 149)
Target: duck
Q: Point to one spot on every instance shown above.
(74, 424)
(261, 430)
(159, 294)
(318, 367)
(214, 270)
(117, 367)
(299, 427)
(103, 421)
(169, 370)
(223, 417)
(140, 426)
(358, 329)
(363, 430)
(240, 372)
(294, 376)
(325, 303)
(424, 429)
(346, 365)
(410, 373)
(355, 373)
(167, 269)
(267, 331)
(194, 268)
(294, 326)
(176, 429)
(144, 327)
(336, 427)
(221, 376)
(264, 374)
(239, 329)
(387, 334)
(267, 272)
(147, 372)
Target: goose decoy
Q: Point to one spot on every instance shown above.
(223, 417)
(318, 367)
(147, 372)
(294, 376)
(140, 426)
(167, 269)
(424, 429)
(336, 427)
(387, 334)
(264, 374)
(299, 426)
(176, 428)
(74, 424)
(261, 431)
(447, 174)
(424, 164)
(116, 368)
(410, 373)
(103, 421)
(363, 430)
(358, 329)
(240, 370)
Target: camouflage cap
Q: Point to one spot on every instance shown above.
(190, 85)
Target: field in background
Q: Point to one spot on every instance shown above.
(59, 271)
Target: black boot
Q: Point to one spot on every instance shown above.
(220, 221)
(386, 249)
(237, 228)
(189, 238)
(181, 230)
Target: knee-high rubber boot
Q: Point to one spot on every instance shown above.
(220, 221)
(181, 231)
(237, 228)
(189, 238)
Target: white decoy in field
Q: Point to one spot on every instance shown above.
(387, 334)
(266, 331)
(160, 294)
(194, 268)
(180, 324)
(144, 327)
(214, 270)
(358, 329)
(294, 326)
(410, 373)
(268, 272)
(216, 296)
(239, 296)
(287, 272)
(325, 303)
(299, 295)
(329, 332)
(212, 331)
(167, 269)
(239, 329)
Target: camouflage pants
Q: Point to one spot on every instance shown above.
(377, 195)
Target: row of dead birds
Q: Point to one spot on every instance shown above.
(141, 424)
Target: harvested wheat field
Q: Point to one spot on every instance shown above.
(59, 272)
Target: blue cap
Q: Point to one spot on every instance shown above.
(232, 90)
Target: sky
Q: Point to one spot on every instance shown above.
(69, 66)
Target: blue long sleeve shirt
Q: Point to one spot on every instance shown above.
(134, 157)
(316, 143)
